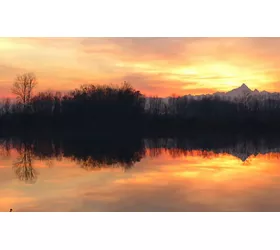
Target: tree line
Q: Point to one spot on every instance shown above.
(88, 105)
(104, 108)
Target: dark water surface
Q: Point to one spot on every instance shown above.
(140, 175)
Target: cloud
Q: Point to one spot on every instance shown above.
(138, 49)
(8, 71)
(157, 84)
(55, 42)
(182, 50)
(153, 65)
(7, 76)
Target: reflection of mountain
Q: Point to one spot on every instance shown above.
(239, 148)
(125, 153)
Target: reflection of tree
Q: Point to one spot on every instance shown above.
(105, 156)
(23, 166)
(49, 163)
(124, 153)
(5, 148)
(103, 152)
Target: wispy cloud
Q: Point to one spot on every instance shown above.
(154, 65)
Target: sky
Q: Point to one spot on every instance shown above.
(155, 66)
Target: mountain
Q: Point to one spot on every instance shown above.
(238, 92)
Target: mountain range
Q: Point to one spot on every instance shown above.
(240, 92)
(237, 94)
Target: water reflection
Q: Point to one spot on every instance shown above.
(94, 155)
(161, 174)
(23, 165)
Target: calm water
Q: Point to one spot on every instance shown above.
(152, 175)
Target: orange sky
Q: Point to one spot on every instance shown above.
(160, 66)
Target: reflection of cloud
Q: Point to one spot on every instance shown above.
(14, 199)
(168, 192)
(221, 183)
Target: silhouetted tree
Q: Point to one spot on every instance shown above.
(43, 103)
(6, 106)
(107, 108)
(103, 103)
(23, 88)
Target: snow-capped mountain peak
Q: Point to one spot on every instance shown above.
(244, 87)
(242, 90)
(240, 94)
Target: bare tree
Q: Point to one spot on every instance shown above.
(23, 88)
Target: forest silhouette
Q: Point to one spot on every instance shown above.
(113, 110)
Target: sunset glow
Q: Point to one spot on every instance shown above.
(192, 180)
(155, 66)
